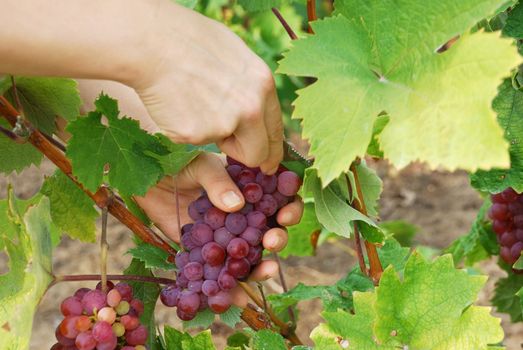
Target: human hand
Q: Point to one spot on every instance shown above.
(205, 85)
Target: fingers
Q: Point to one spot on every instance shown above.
(275, 239)
(267, 269)
(208, 171)
(274, 126)
(291, 213)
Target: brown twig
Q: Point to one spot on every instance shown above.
(311, 14)
(255, 320)
(372, 253)
(8, 133)
(101, 197)
(284, 23)
(357, 239)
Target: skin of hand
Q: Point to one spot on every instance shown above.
(199, 82)
(207, 171)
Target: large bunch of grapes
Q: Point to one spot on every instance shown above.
(507, 215)
(94, 319)
(221, 248)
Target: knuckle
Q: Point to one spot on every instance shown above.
(252, 112)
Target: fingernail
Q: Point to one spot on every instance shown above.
(286, 217)
(231, 199)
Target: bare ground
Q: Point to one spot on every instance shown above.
(442, 204)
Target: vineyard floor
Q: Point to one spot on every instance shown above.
(443, 205)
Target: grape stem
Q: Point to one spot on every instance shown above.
(147, 279)
(358, 203)
(311, 14)
(284, 23)
(117, 209)
(8, 133)
(104, 247)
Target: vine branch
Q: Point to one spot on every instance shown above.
(311, 14)
(284, 23)
(103, 199)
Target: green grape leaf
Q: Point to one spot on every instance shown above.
(509, 106)
(479, 243)
(332, 210)
(370, 59)
(153, 257)
(373, 234)
(203, 319)
(393, 254)
(299, 243)
(71, 210)
(260, 5)
(238, 340)
(518, 265)
(148, 293)
(371, 187)
(16, 156)
(430, 308)
(174, 339)
(120, 144)
(43, 99)
(268, 340)
(402, 231)
(232, 316)
(29, 248)
(514, 22)
(178, 157)
(374, 149)
(505, 299)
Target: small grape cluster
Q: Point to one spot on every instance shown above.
(94, 319)
(507, 215)
(221, 248)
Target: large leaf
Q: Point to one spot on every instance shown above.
(152, 257)
(43, 99)
(71, 210)
(175, 339)
(15, 156)
(332, 209)
(178, 157)
(121, 144)
(505, 298)
(509, 106)
(375, 57)
(268, 340)
(29, 248)
(429, 309)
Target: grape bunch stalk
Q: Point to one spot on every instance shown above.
(94, 319)
(507, 215)
(221, 248)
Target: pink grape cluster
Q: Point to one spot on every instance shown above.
(94, 319)
(507, 215)
(221, 248)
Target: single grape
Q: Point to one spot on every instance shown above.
(280, 199)
(214, 217)
(93, 300)
(126, 291)
(85, 341)
(110, 285)
(244, 177)
(107, 314)
(61, 339)
(122, 308)
(102, 332)
(226, 281)
(267, 182)
(184, 316)
(203, 204)
(499, 226)
(234, 170)
(195, 286)
(113, 298)
(515, 251)
(223, 237)
(288, 183)
(256, 219)
(83, 323)
(118, 329)
(211, 272)
(201, 233)
(129, 322)
(181, 259)
(189, 302)
(57, 346)
(140, 347)
(238, 248)
(252, 235)
(509, 195)
(235, 223)
(508, 239)
(196, 255)
(81, 292)
(193, 212)
(252, 192)
(267, 205)
(187, 241)
(220, 302)
(210, 288)
(187, 228)
(71, 306)
(68, 327)
(498, 211)
(193, 271)
(137, 305)
(181, 280)
(109, 344)
(169, 295)
(255, 255)
(238, 268)
(213, 254)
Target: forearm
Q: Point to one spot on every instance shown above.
(79, 38)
